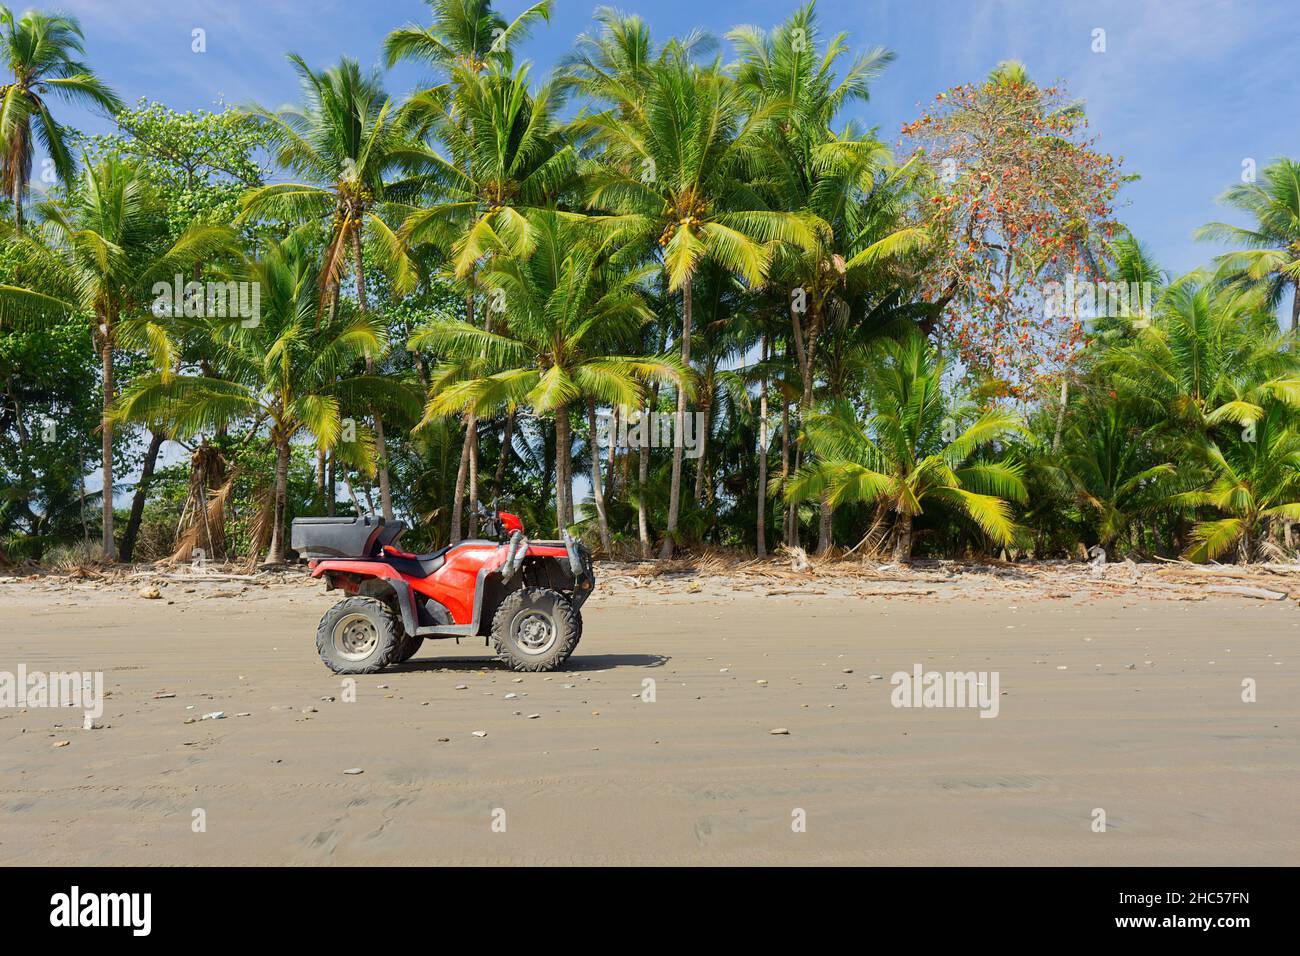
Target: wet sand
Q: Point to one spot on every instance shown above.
(1124, 703)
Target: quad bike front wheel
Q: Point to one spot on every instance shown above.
(359, 635)
(536, 629)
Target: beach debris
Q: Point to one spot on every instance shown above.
(353, 771)
(1264, 594)
(779, 732)
(62, 743)
(480, 733)
(149, 594)
(215, 715)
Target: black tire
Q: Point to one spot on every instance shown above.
(535, 629)
(347, 623)
(410, 644)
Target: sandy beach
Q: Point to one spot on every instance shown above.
(1125, 702)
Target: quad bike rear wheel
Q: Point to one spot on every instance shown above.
(359, 635)
(536, 629)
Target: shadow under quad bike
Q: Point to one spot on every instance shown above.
(526, 596)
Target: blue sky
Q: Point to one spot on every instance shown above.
(1185, 91)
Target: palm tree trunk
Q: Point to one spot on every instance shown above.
(18, 189)
(141, 491)
(643, 476)
(597, 492)
(381, 449)
(332, 487)
(825, 527)
(506, 450)
(106, 429)
(563, 475)
(462, 472)
(903, 538)
(320, 476)
(611, 471)
(1060, 414)
(1295, 303)
(276, 553)
(788, 515)
(473, 481)
(462, 476)
(761, 530)
(701, 468)
(675, 489)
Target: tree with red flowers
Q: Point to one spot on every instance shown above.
(1018, 198)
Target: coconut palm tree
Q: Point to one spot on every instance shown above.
(677, 158)
(464, 33)
(41, 50)
(99, 255)
(347, 142)
(911, 451)
(292, 370)
(1211, 356)
(1253, 482)
(569, 304)
(614, 65)
(845, 182)
(505, 157)
(1112, 466)
(1271, 257)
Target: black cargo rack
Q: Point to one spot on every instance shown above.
(353, 537)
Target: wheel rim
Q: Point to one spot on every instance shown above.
(355, 637)
(535, 632)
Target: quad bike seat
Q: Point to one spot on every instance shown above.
(423, 565)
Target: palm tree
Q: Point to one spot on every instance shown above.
(464, 34)
(505, 158)
(292, 371)
(1271, 258)
(614, 66)
(678, 154)
(902, 456)
(41, 52)
(1252, 482)
(569, 302)
(844, 182)
(1210, 357)
(1112, 468)
(99, 256)
(346, 140)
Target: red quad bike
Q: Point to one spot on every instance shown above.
(525, 595)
